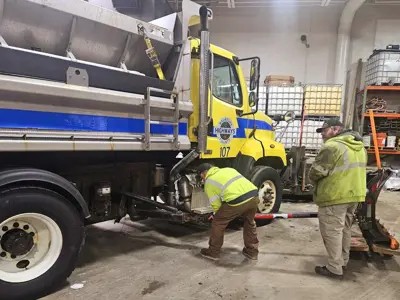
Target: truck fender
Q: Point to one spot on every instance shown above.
(42, 178)
(253, 148)
(269, 153)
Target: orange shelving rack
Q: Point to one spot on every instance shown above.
(377, 150)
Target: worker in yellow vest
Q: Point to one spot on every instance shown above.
(339, 177)
(231, 195)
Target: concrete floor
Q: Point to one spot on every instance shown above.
(158, 260)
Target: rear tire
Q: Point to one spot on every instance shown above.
(268, 181)
(58, 234)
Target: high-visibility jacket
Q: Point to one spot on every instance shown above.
(339, 171)
(228, 185)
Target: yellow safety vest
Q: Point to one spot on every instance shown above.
(228, 185)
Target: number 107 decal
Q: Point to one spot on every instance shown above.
(224, 151)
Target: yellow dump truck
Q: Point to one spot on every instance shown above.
(95, 107)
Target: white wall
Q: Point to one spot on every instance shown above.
(274, 35)
(374, 27)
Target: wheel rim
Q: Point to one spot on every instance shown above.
(30, 244)
(267, 196)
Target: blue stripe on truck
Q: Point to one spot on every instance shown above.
(29, 119)
(244, 123)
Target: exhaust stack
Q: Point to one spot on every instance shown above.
(204, 80)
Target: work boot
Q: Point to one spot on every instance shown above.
(205, 252)
(248, 255)
(325, 272)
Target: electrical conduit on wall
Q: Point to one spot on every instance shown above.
(343, 44)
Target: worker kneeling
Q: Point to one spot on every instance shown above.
(231, 195)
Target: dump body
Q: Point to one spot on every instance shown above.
(91, 33)
(76, 76)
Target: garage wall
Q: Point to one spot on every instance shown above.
(274, 35)
(374, 27)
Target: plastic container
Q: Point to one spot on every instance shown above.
(367, 140)
(291, 136)
(310, 138)
(283, 99)
(391, 141)
(381, 139)
(383, 68)
(322, 99)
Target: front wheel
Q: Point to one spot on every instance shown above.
(41, 234)
(268, 182)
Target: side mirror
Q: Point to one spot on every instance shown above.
(252, 99)
(289, 116)
(254, 74)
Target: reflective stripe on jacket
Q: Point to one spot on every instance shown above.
(228, 185)
(339, 171)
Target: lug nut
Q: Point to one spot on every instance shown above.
(5, 228)
(16, 224)
(26, 227)
(3, 254)
(13, 256)
(31, 233)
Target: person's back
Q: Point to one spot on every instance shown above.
(232, 187)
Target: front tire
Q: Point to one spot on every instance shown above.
(41, 237)
(269, 185)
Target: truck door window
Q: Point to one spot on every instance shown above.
(226, 85)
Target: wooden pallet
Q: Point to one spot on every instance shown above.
(359, 244)
(384, 250)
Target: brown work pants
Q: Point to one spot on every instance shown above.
(335, 225)
(226, 214)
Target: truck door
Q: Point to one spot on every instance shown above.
(228, 131)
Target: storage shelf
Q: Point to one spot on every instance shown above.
(381, 88)
(323, 115)
(384, 115)
(384, 151)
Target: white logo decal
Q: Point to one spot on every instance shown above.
(225, 130)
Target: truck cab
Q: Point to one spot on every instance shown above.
(238, 134)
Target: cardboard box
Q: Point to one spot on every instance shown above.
(279, 80)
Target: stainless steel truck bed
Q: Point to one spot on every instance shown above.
(76, 77)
